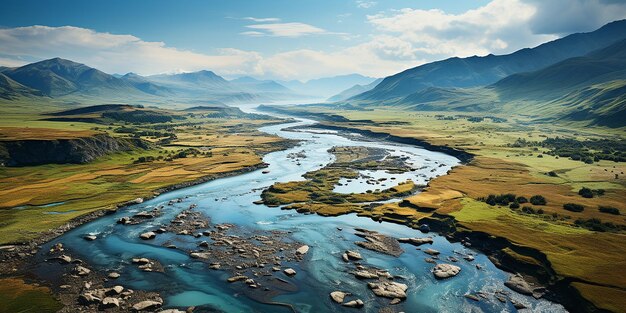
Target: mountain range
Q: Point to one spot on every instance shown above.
(327, 87)
(589, 86)
(354, 90)
(481, 71)
(74, 82)
(580, 77)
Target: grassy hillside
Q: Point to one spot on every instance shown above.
(587, 90)
(513, 155)
(186, 146)
(604, 65)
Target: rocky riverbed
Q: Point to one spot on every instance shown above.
(209, 248)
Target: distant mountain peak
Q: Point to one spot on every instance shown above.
(476, 71)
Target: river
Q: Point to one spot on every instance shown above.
(186, 282)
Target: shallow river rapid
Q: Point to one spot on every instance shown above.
(187, 282)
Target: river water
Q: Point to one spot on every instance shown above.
(187, 282)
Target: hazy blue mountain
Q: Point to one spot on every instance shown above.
(145, 85)
(256, 85)
(328, 86)
(201, 80)
(354, 90)
(481, 71)
(205, 85)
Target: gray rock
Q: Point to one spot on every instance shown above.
(141, 261)
(114, 275)
(88, 298)
(64, 259)
(358, 303)
(147, 305)
(115, 290)
(443, 271)
(472, 297)
(302, 250)
(416, 241)
(365, 274)
(390, 290)
(200, 255)
(353, 255)
(147, 235)
(90, 237)
(517, 283)
(110, 302)
(338, 296)
(237, 278)
(289, 271)
(431, 251)
(81, 271)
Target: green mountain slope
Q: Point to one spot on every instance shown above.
(59, 77)
(600, 66)
(590, 89)
(10, 89)
(481, 71)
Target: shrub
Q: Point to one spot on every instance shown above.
(590, 193)
(503, 199)
(514, 205)
(597, 225)
(528, 210)
(538, 200)
(521, 200)
(585, 192)
(609, 210)
(573, 207)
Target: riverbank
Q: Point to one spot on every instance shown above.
(17, 260)
(565, 257)
(229, 200)
(40, 203)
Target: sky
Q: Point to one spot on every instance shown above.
(284, 39)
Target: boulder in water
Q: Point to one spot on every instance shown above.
(443, 271)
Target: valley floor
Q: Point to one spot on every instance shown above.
(40, 202)
(574, 252)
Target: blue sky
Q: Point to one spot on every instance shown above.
(286, 39)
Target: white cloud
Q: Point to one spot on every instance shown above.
(116, 53)
(262, 19)
(365, 4)
(401, 39)
(286, 29)
(501, 26)
(570, 16)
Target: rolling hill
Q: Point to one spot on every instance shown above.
(323, 88)
(354, 90)
(600, 66)
(591, 88)
(481, 71)
(59, 77)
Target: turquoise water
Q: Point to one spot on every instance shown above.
(187, 282)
